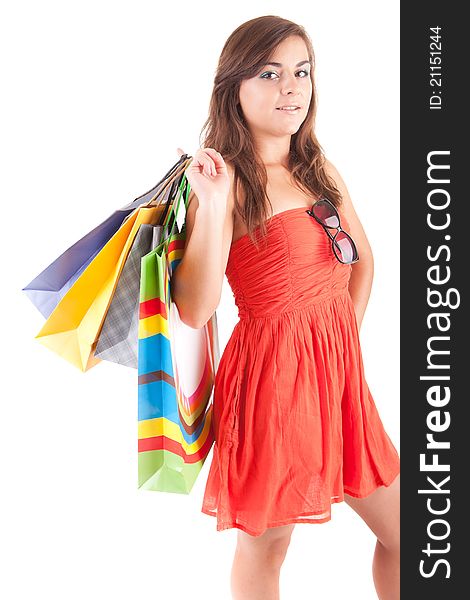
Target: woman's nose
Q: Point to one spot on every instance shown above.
(291, 84)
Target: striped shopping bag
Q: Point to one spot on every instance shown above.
(176, 373)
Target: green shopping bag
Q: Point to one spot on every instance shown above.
(176, 373)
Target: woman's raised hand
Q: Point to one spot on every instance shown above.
(207, 175)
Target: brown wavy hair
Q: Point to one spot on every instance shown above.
(245, 52)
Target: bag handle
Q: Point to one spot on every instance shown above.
(170, 179)
(183, 190)
(173, 178)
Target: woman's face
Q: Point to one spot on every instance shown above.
(275, 86)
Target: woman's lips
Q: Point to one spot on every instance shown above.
(289, 112)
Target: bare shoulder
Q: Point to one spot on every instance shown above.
(347, 208)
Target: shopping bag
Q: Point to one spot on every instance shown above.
(73, 327)
(176, 374)
(47, 289)
(118, 339)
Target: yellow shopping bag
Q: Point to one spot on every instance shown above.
(72, 329)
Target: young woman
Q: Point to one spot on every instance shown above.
(295, 424)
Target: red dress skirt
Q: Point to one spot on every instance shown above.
(294, 420)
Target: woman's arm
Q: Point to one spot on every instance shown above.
(196, 285)
(362, 273)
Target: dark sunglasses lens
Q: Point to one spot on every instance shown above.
(344, 247)
(326, 213)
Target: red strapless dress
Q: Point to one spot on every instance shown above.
(294, 420)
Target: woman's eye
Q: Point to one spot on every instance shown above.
(273, 73)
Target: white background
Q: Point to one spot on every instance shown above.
(96, 98)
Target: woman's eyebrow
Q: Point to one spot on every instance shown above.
(276, 64)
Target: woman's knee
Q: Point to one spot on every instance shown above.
(390, 539)
(270, 547)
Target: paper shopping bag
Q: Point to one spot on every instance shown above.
(73, 327)
(176, 373)
(47, 289)
(118, 339)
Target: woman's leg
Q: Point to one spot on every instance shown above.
(257, 563)
(381, 511)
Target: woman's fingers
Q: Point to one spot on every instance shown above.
(209, 166)
(210, 160)
(207, 160)
(216, 156)
(218, 161)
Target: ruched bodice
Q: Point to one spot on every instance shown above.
(295, 268)
(295, 423)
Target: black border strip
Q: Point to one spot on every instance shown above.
(435, 356)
